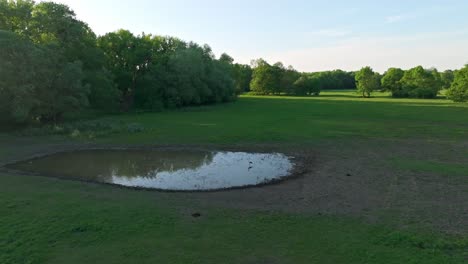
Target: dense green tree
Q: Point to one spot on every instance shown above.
(190, 67)
(51, 64)
(277, 71)
(302, 85)
(458, 91)
(272, 79)
(288, 78)
(16, 16)
(225, 58)
(128, 57)
(367, 81)
(221, 83)
(447, 78)
(306, 85)
(35, 83)
(420, 83)
(334, 80)
(104, 94)
(55, 26)
(391, 81)
(265, 79)
(18, 62)
(184, 76)
(315, 85)
(242, 75)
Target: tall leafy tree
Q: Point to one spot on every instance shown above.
(447, 78)
(56, 27)
(289, 76)
(264, 78)
(225, 58)
(64, 66)
(35, 84)
(307, 85)
(458, 91)
(367, 81)
(128, 57)
(334, 80)
(391, 81)
(187, 75)
(16, 15)
(242, 75)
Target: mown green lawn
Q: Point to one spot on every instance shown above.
(303, 119)
(44, 220)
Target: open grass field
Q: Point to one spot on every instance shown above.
(386, 182)
(334, 115)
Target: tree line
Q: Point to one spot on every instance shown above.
(277, 79)
(415, 83)
(52, 64)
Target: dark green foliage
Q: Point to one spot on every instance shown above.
(416, 83)
(458, 91)
(307, 85)
(334, 80)
(128, 57)
(276, 79)
(289, 76)
(240, 73)
(36, 83)
(242, 77)
(447, 78)
(103, 95)
(15, 15)
(273, 79)
(55, 26)
(63, 67)
(391, 81)
(420, 83)
(189, 75)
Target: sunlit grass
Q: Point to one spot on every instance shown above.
(302, 119)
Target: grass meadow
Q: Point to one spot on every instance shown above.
(45, 220)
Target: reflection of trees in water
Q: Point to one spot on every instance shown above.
(103, 164)
(148, 164)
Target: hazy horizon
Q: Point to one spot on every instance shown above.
(309, 35)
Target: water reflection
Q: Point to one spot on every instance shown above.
(163, 169)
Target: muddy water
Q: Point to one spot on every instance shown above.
(163, 169)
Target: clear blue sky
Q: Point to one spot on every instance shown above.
(309, 35)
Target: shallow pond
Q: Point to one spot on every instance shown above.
(178, 170)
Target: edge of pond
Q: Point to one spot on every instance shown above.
(299, 161)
